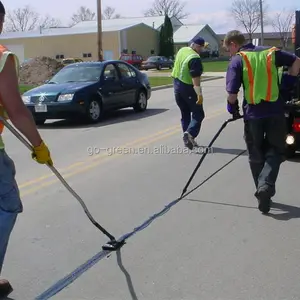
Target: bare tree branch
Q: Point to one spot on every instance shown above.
(247, 14)
(48, 22)
(83, 14)
(109, 13)
(171, 8)
(21, 19)
(26, 19)
(282, 23)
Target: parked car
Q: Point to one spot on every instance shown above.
(157, 62)
(68, 61)
(87, 90)
(132, 59)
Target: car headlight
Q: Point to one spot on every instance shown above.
(26, 99)
(65, 97)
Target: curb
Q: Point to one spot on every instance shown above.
(167, 86)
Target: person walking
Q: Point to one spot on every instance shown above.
(12, 107)
(187, 73)
(256, 68)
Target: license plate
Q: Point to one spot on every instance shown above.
(40, 108)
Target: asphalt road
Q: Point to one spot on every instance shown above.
(213, 245)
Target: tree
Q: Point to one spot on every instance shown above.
(166, 39)
(26, 19)
(247, 14)
(282, 23)
(171, 8)
(83, 14)
(109, 13)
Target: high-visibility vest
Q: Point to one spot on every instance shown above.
(181, 65)
(4, 53)
(261, 77)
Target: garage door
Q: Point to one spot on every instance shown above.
(18, 50)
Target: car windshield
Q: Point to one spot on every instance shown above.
(77, 74)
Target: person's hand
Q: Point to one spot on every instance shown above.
(199, 99)
(199, 94)
(41, 154)
(234, 109)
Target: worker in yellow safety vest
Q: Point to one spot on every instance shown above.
(258, 70)
(13, 108)
(187, 73)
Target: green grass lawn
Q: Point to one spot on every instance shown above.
(209, 66)
(158, 81)
(215, 66)
(25, 88)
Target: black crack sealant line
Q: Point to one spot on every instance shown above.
(113, 244)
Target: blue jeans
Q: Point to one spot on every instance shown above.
(10, 202)
(192, 114)
(265, 140)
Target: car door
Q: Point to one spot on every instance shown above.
(129, 83)
(111, 87)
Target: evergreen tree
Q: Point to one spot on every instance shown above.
(162, 41)
(169, 42)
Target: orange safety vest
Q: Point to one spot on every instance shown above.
(4, 53)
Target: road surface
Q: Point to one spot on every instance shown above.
(214, 244)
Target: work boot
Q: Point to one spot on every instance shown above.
(264, 200)
(5, 288)
(188, 140)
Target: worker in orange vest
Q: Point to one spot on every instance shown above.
(13, 108)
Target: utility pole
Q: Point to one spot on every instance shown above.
(261, 22)
(99, 21)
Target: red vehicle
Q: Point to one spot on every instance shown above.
(133, 59)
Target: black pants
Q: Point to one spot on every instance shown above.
(265, 140)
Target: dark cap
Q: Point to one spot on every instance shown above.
(199, 41)
(2, 9)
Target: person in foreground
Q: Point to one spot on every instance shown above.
(13, 108)
(257, 69)
(187, 73)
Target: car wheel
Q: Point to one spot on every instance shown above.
(40, 121)
(94, 111)
(141, 102)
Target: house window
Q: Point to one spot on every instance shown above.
(59, 56)
(85, 55)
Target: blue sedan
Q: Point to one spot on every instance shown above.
(87, 90)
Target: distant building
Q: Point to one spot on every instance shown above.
(139, 35)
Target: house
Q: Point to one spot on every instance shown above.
(185, 33)
(118, 35)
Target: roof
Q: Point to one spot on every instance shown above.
(154, 22)
(186, 33)
(106, 27)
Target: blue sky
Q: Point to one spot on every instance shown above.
(213, 12)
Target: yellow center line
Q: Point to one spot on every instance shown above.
(90, 164)
(77, 164)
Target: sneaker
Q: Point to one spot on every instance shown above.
(264, 201)
(188, 140)
(5, 288)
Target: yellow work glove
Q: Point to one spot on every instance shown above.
(198, 91)
(41, 154)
